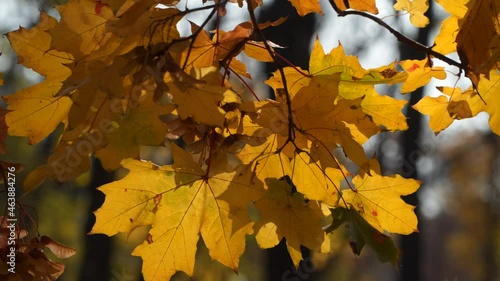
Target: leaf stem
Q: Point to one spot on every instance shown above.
(210, 151)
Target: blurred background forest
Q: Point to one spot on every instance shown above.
(458, 204)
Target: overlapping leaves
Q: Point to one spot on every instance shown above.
(181, 202)
(119, 75)
(473, 31)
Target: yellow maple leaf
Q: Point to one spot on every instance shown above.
(352, 73)
(90, 30)
(34, 111)
(296, 80)
(487, 99)
(444, 42)
(265, 161)
(181, 202)
(207, 52)
(88, 78)
(360, 5)
(378, 199)
(140, 126)
(82, 28)
(239, 67)
(416, 9)
(320, 113)
(436, 109)
(357, 82)
(385, 111)
(442, 110)
(353, 76)
(291, 216)
(321, 121)
(207, 94)
(419, 74)
(386, 74)
(454, 7)
(133, 204)
(318, 97)
(352, 128)
(99, 122)
(314, 182)
(343, 123)
(351, 70)
(335, 62)
(318, 120)
(138, 25)
(272, 121)
(257, 50)
(305, 7)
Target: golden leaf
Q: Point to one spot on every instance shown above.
(35, 111)
(291, 216)
(181, 202)
(416, 9)
(360, 5)
(378, 199)
(305, 7)
(419, 74)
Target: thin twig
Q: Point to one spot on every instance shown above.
(244, 83)
(280, 68)
(399, 36)
(283, 59)
(197, 32)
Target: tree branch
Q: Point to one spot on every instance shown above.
(399, 36)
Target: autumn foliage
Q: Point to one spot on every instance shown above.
(119, 76)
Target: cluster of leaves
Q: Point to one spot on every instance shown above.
(472, 30)
(119, 75)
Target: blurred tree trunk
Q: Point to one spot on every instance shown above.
(96, 263)
(295, 35)
(410, 256)
(490, 257)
